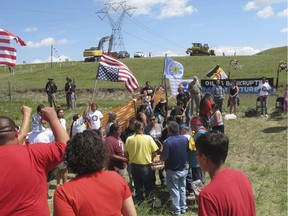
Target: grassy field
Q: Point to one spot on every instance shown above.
(258, 146)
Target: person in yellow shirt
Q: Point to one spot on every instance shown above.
(140, 149)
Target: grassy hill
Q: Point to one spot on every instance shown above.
(258, 146)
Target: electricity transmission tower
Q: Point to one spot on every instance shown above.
(115, 12)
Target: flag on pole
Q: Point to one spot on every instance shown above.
(176, 83)
(173, 69)
(217, 73)
(114, 70)
(7, 51)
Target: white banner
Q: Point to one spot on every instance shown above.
(176, 83)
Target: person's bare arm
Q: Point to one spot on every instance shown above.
(128, 208)
(49, 115)
(118, 158)
(25, 125)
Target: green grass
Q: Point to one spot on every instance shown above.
(258, 146)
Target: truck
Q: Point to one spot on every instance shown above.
(199, 49)
(94, 53)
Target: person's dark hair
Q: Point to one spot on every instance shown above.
(7, 127)
(203, 100)
(132, 120)
(214, 145)
(171, 118)
(141, 108)
(85, 153)
(215, 106)
(138, 127)
(179, 102)
(58, 110)
(39, 107)
(113, 129)
(75, 117)
(173, 127)
(112, 117)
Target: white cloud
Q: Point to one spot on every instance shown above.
(231, 51)
(62, 58)
(250, 6)
(159, 8)
(45, 42)
(283, 13)
(266, 12)
(31, 29)
(284, 30)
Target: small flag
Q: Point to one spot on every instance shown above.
(217, 73)
(114, 70)
(173, 69)
(176, 83)
(7, 51)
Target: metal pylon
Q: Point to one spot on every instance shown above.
(115, 12)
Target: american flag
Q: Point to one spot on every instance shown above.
(7, 51)
(114, 70)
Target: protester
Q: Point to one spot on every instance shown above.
(141, 114)
(24, 191)
(94, 191)
(218, 94)
(286, 98)
(161, 111)
(185, 98)
(140, 149)
(115, 147)
(178, 112)
(62, 171)
(94, 118)
(155, 131)
(205, 110)
(195, 94)
(70, 93)
(263, 89)
(51, 89)
(146, 101)
(175, 156)
(233, 100)
(197, 129)
(216, 120)
(112, 119)
(230, 191)
(150, 91)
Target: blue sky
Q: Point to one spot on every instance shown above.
(156, 26)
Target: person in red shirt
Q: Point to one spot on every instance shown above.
(230, 191)
(205, 110)
(24, 168)
(94, 191)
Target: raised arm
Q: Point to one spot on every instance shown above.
(25, 125)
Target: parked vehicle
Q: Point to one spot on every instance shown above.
(199, 49)
(139, 55)
(123, 54)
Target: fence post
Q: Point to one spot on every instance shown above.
(9, 91)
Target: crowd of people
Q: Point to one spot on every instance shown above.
(115, 170)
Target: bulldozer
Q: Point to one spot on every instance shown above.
(94, 53)
(199, 49)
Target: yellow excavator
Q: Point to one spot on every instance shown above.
(94, 53)
(199, 49)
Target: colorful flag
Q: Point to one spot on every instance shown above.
(217, 73)
(173, 69)
(176, 83)
(114, 70)
(7, 51)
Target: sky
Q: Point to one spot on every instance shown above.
(159, 27)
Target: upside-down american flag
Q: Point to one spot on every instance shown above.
(7, 51)
(114, 70)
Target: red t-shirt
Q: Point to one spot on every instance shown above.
(23, 182)
(229, 193)
(205, 110)
(100, 193)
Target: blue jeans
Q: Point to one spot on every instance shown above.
(176, 185)
(143, 177)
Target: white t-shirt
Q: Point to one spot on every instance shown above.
(264, 88)
(95, 119)
(45, 136)
(63, 123)
(78, 126)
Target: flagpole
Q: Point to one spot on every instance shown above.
(94, 89)
(163, 76)
(164, 80)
